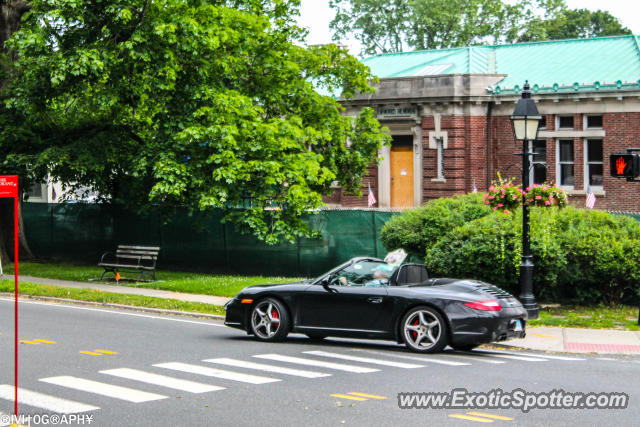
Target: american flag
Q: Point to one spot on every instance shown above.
(590, 202)
(371, 199)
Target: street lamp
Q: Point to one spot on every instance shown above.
(525, 120)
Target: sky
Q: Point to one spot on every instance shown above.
(316, 15)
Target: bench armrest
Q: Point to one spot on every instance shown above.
(104, 255)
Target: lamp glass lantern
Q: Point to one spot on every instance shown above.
(525, 118)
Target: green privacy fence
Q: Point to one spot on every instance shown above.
(82, 232)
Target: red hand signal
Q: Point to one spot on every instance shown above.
(620, 165)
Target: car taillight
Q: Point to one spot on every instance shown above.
(489, 305)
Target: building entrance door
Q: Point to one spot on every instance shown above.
(401, 162)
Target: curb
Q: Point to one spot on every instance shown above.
(121, 306)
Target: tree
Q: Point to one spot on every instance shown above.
(398, 25)
(198, 103)
(573, 24)
(384, 27)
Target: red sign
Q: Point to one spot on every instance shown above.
(8, 185)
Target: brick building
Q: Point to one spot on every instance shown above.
(448, 112)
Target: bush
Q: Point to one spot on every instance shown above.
(417, 229)
(584, 255)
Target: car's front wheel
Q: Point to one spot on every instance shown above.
(424, 330)
(269, 320)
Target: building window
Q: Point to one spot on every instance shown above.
(565, 163)
(543, 122)
(538, 172)
(593, 122)
(440, 157)
(593, 169)
(564, 122)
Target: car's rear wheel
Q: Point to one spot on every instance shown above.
(270, 320)
(424, 330)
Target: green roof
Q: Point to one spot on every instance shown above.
(550, 66)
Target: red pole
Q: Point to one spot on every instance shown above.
(15, 243)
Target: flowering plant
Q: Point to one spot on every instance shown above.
(546, 195)
(503, 195)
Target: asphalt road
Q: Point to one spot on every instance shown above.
(83, 352)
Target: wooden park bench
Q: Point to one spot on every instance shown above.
(141, 258)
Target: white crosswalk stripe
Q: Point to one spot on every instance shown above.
(364, 359)
(43, 401)
(217, 373)
(117, 392)
(267, 368)
(468, 357)
(319, 363)
(545, 356)
(162, 380)
(420, 358)
(513, 357)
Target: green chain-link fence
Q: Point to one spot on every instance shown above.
(82, 232)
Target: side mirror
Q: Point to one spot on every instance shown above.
(325, 282)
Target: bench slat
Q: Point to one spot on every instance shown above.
(149, 248)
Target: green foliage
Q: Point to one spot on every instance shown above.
(573, 24)
(201, 103)
(584, 255)
(418, 229)
(384, 26)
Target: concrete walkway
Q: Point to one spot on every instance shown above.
(157, 293)
(576, 340)
(543, 338)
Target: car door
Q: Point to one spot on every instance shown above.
(339, 307)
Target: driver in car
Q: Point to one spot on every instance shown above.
(380, 276)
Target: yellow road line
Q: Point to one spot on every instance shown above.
(29, 342)
(495, 417)
(470, 418)
(545, 336)
(370, 396)
(46, 341)
(105, 351)
(345, 396)
(91, 353)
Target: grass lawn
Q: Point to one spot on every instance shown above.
(601, 317)
(109, 297)
(194, 283)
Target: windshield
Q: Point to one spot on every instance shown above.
(364, 273)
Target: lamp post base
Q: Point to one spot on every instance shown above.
(533, 310)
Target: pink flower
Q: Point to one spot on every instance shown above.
(495, 209)
(492, 197)
(547, 203)
(529, 188)
(538, 197)
(500, 205)
(506, 211)
(491, 188)
(544, 187)
(514, 197)
(487, 202)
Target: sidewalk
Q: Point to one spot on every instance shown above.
(542, 338)
(575, 340)
(157, 293)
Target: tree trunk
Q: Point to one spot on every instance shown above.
(11, 12)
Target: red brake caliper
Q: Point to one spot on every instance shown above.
(414, 333)
(274, 313)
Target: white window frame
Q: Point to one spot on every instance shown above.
(587, 163)
(532, 161)
(585, 119)
(558, 163)
(565, 115)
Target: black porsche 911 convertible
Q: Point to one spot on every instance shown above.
(369, 298)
